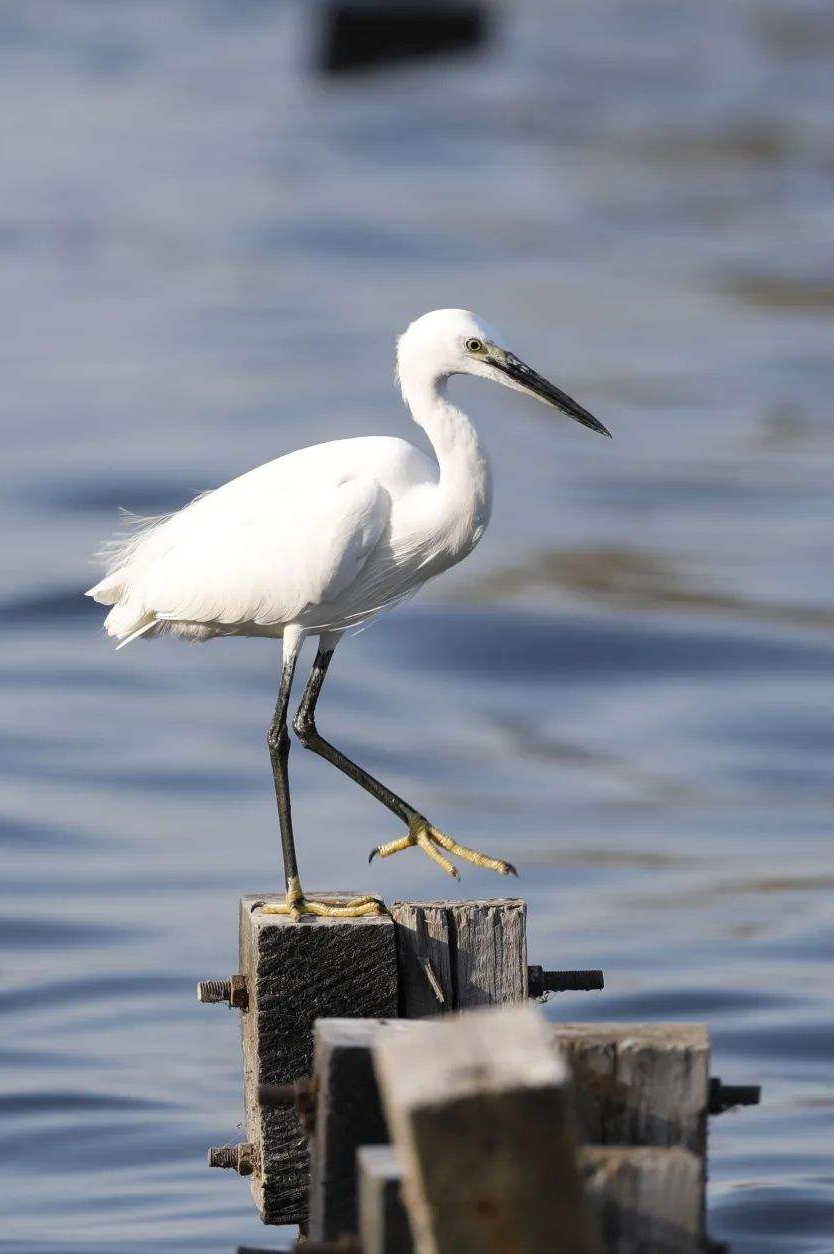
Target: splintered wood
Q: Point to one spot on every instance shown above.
(457, 955)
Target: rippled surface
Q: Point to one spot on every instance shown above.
(205, 252)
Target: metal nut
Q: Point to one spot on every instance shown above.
(238, 996)
(232, 991)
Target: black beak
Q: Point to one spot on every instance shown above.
(529, 381)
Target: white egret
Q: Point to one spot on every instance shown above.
(320, 540)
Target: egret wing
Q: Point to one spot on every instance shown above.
(262, 558)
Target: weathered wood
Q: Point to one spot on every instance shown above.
(348, 1114)
(383, 1222)
(646, 1201)
(457, 955)
(479, 1111)
(640, 1084)
(422, 932)
(297, 972)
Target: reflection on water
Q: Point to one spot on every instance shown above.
(633, 580)
(206, 251)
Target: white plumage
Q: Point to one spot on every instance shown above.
(283, 544)
(321, 539)
(324, 537)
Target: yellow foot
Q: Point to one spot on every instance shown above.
(432, 841)
(296, 904)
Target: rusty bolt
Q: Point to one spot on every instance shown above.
(240, 1158)
(232, 991)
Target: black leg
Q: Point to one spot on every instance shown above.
(421, 831)
(304, 725)
(278, 743)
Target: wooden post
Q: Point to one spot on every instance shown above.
(383, 1222)
(640, 1084)
(457, 955)
(645, 1199)
(348, 1114)
(450, 954)
(296, 972)
(635, 1084)
(479, 1111)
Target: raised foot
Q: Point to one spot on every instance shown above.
(431, 840)
(296, 905)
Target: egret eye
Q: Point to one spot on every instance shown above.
(474, 346)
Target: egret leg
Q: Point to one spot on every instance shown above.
(422, 834)
(278, 743)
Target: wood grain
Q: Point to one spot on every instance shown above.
(297, 972)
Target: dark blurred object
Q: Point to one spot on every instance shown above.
(357, 34)
(541, 982)
(724, 1097)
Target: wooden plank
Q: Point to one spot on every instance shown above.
(422, 932)
(296, 972)
(383, 1222)
(639, 1083)
(475, 950)
(479, 1110)
(348, 1114)
(491, 952)
(645, 1200)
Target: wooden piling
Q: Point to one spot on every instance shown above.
(640, 1084)
(481, 1108)
(635, 1085)
(479, 1111)
(383, 1222)
(645, 1199)
(347, 1114)
(296, 972)
(457, 955)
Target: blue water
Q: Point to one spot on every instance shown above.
(205, 252)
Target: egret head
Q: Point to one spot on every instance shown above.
(455, 341)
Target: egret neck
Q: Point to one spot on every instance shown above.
(465, 481)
